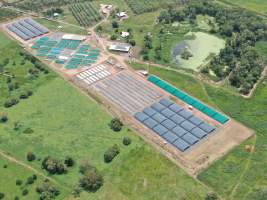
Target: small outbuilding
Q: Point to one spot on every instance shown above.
(125, 34)
(124, 48)
(122, 15)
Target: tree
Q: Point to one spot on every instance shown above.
(31, 156)
(186, 54)
(126, 141)
(92, 180)
(115, 24)
(30, 180)
(113, 37)
(132, 42)
(111, 153)
(53, 166)
(25, 192)
(47, 191)
(18, 182)
(116, 125)
(3, 118)
(2, 195)
(23, 95)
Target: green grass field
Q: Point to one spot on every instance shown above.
(53, 25)
(259, 6)
(239, 174)
(65, 122)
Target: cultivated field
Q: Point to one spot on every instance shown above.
(142, 6)
(84, 13)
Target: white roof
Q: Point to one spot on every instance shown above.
(125, 34)
(63, 57)
(73, 37)
(121, 14)
(120, 47)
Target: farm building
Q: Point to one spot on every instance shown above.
(73, 37)
(122, 15)
(106, 8)
(125, 48)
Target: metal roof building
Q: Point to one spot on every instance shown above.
(120, 47)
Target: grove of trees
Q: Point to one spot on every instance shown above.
(241, 29)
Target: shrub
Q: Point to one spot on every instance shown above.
(4, 166)
(85, 166)
(30, 180)
(16, 85)
(145, 57)
(69, 162)
(18, 182)
(53, 166)
(115, 24)
(113, 37)
(3, 118)
(25, 192)
(29, 93)
(23, 96)
(11, 102)
(47, 191)
(10, 86)
(211, 196)
(8, 80)
(16, 198)
(31, 156)
(34, 177)
(126, 141)
(92, 180)
(116, 125)
(2, 195)
(111, 153)
(132, 42)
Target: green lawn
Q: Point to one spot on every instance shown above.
(53, 25)
(259, 6)
(238, 168)
(65, 122)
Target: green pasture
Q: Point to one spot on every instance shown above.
(55, 26)
(259, 6)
